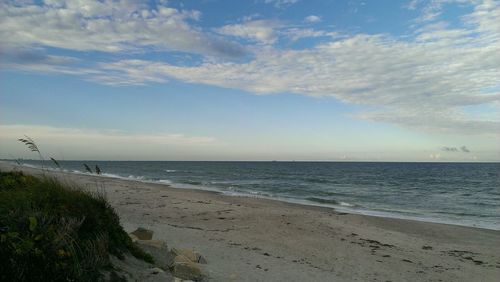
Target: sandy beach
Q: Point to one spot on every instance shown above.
(253, 239)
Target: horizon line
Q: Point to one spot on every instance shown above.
(261, 161)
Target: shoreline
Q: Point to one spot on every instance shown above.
(254, 239)
(303, 202)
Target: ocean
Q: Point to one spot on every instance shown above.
(455, 193)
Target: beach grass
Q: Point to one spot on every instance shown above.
(48, 229)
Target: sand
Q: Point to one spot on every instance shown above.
(252, 239)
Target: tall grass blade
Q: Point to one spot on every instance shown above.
(87, 168)
(56, 163)
(30, 143)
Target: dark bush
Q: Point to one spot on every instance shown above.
(51, 231)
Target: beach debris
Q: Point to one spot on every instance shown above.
(407, 260)
(143, 233)
(427, 247)
(467, 255)
(375, 242)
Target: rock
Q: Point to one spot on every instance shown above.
(133, 269)
(181, 259)
(177, 279)
(155, 244)
(202, 260)
(158, 250)
(133, 238)
(143, 233)
(187, 271)
(156, 270)
(190, 254)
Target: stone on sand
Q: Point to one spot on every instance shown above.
(133, 238)
(187, 270)
(157, 249)
(192, 255)
(143, 233)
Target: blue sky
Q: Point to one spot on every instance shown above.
(412, 80)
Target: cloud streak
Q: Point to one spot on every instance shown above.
(75, 135)
(281, 3)
(462, 149)
(312, 19)
(105, 143)
(261, 31)
(108, 26)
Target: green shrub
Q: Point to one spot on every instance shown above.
(49, 230)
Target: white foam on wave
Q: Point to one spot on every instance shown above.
(423, 218)
(138, 178)
(131, 176)
(111, 175)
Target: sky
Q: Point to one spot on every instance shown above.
(336, 80)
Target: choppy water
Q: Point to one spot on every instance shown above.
(456, 193)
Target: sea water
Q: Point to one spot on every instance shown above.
(455, 193)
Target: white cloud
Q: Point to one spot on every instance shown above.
(107, 26)
(71, 135)
(281, 3)
(312, 19)
(295, 34)
(435, 156)
(420, 83)
(439, 120)
(412, 5)
(423, 83)
(432, 9)
(268, 32)
(261, 31)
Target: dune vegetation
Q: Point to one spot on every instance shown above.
(49, 229)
